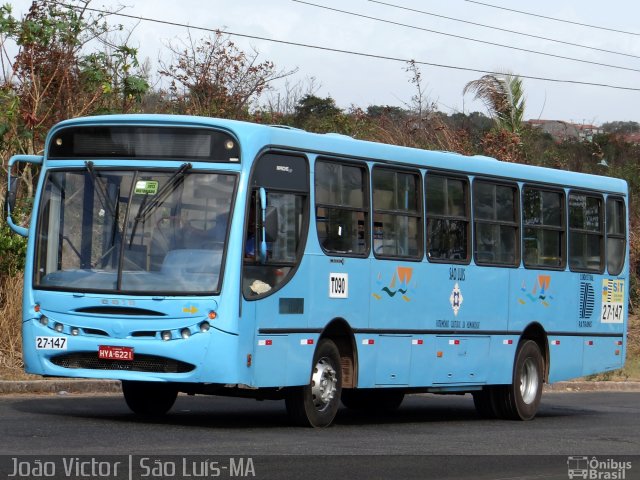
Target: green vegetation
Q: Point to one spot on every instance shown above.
(72, 62)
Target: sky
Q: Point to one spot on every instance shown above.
(365, 81)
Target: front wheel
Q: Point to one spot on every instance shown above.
(316, 404)
(520, 400)
(149, 398)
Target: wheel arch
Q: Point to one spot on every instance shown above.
(339, 331)
(536, 332)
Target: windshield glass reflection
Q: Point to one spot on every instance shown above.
(133, 231)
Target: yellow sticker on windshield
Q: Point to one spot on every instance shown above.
(146, 187)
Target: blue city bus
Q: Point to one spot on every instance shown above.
(207, 256)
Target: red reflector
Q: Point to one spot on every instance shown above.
(456, 342)
(507, 342)
(590, 342)
(268, 342)
(619, 342)
(420, 342)
(555, 342)
(617, 352)
(368, 341)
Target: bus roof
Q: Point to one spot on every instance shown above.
(255, 137)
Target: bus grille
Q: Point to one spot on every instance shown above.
(141, 363)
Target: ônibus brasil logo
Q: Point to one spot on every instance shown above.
(597, 469)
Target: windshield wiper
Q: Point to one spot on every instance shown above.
(99, 188)
(160, 196)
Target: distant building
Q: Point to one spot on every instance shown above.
(565, 131)
(632, 138)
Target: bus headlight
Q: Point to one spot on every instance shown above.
(166, 335)
(75, 331)
(44, 320)
(204, 327)
(58, 327)
(185, 333)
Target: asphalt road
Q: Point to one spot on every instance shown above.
(428, 437)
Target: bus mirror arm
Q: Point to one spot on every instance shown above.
(10, 196)
(269, 219)
(12, 190)
(263, 217)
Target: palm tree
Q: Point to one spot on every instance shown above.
(503, 96)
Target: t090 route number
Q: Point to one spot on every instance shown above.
(338, 285)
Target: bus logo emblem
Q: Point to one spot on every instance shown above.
(456, 299)
(587, 300)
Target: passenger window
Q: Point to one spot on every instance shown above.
(495, 223)
(397, 214)
(342, 208)
(616, 235)
(543, 238)
(447, 219)
(585, 233)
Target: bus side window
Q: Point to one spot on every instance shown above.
(495, 208)
(447, 219)
(397, 213)
(544, 231)
(342, 208)
(616, 235)
(586, 236)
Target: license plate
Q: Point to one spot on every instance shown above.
(107, 352)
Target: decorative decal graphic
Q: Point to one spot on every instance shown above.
(539, 292)
(587, 300)
(612, 301)
(456, 299)
(399, 284)
(190, 308)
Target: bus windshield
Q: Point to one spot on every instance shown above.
(136, 231)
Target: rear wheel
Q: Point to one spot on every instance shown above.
(378, 400)
(316, 404)
(149, 398)
(520, 400)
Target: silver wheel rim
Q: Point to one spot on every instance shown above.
(324, 383)
(529, 381)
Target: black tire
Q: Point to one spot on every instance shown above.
(316, 404)
(520, 400)
(484, 402)
(372, 400)
(149, 398)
